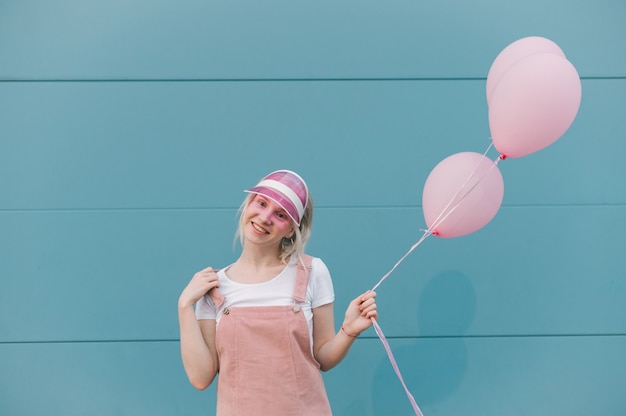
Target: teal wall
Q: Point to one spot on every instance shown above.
(129, 128)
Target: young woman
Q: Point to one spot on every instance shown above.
(265, 323)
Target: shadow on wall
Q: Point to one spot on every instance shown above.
(432, 367)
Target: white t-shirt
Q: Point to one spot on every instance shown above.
(276, 292)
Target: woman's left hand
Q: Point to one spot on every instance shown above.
(359, 314)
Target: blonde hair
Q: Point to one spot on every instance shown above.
(288, 246)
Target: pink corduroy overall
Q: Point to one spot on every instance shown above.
(266, 364)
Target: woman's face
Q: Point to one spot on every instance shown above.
(266, 222)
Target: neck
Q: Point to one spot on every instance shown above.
(260, 258)
(254, 267)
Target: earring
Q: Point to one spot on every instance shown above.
(285, 243)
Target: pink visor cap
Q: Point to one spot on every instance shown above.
(287, 189)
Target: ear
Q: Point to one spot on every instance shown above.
(291, 233)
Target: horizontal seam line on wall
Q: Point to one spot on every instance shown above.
(338, 79)
(417, 337)
(373, 207)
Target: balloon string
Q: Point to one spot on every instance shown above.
(380, 334)
(435, 224)
(445, 211)
(427, 233)
(413, 247)
(439, 220)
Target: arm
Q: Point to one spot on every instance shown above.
(329, 348)
(197, 338)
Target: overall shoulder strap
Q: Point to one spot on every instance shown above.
(302, 278)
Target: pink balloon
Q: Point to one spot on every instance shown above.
(515, 52)
(534, 104)
(462, 194)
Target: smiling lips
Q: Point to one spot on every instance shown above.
(259, 228)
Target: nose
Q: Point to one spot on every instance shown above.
(266, 217)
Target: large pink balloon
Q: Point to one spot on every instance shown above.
(462, 194)
(534, 103)
(515, 52)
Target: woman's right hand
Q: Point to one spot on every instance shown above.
(198, 286)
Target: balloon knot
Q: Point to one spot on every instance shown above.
(435, 233)
(502, 157)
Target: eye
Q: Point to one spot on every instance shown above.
(281, 215)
